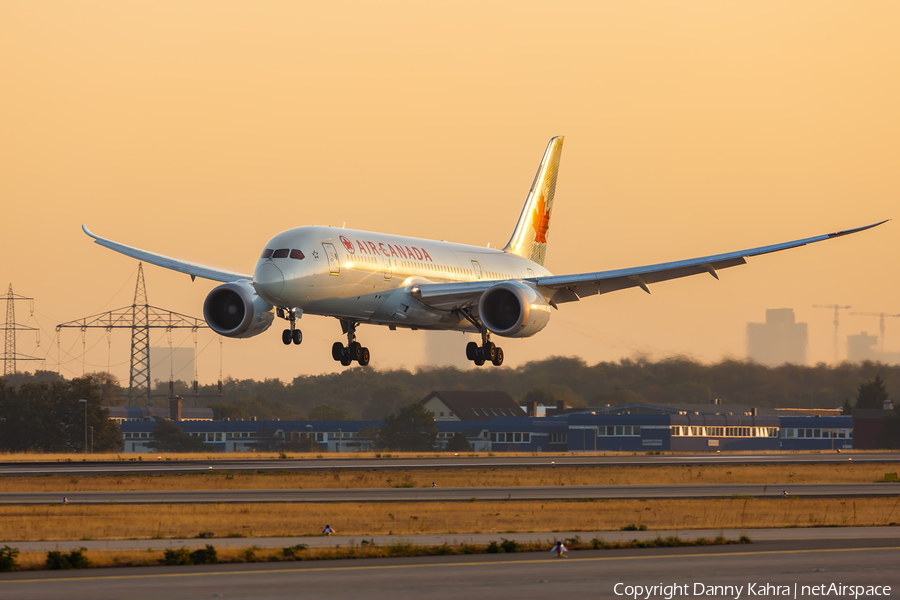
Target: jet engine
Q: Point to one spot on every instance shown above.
(513, 310)
(236, 310)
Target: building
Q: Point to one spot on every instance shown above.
(148, 413)
(262, 436)
(174, 363)
(495, 423)
(860, 347)
(777, 341)
(471, 406)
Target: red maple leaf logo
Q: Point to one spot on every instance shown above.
(348, 245)
(540, 221)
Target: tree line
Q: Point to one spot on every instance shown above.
(369, 394)
(26, 400)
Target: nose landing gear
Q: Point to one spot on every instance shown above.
(353, 351)
(293, 334)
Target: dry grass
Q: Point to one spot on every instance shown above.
(339, 478)
(112, 456)
(76, 522)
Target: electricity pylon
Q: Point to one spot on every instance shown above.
(140, 317)
(10, 356)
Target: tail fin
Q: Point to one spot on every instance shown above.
(529, 240)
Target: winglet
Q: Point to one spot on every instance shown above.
(857, 229)
(87, 231)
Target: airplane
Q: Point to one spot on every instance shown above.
(363, 277)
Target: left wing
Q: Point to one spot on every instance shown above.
(569, 288)
(182, 266)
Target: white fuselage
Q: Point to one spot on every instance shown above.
(366, 277)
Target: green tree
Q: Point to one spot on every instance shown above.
(326, 412)
(259, 407)
(413, 429)
(48, 417)
(168, 437)
(458, 443)
(871, 394)
(386, 399)
(890, 434)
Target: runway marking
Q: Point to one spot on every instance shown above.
(462, 564)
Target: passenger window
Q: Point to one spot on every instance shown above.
(281, 253)
(297, 254)
(267, 253)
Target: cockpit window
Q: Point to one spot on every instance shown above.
(297, 254)
(281, 253)
(267, 253)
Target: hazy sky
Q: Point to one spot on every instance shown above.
(202, 129)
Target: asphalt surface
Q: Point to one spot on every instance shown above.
(757, 535)
(437, 494)
(585, 574)
(150, 464)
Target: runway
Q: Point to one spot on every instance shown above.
(537, 576)
(150, 463)
(437, 494)
(793, 534)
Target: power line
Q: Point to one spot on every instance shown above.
(140, 317)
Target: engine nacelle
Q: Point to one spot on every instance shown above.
(236, 310)
(513, 310)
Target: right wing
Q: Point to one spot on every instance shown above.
(192, 269)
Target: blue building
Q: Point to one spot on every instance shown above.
(632, 428)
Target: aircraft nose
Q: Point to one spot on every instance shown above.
(269, 281)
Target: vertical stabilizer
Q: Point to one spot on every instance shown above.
(529, 240)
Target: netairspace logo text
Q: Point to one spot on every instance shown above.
(644, 592)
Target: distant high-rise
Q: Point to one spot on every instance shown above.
(861, 347)
(779, 340)
(447, 349)
(178, 362)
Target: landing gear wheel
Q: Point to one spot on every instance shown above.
(471, 351)
(297, 336)
(355, 350)
(286, 337)
(337, 351)
(479, 360)
(345, 360)
(363, 359)
(498, 357)
(488, 351)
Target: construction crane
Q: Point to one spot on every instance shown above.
(140, 318)
(882, 317)
(836, 308)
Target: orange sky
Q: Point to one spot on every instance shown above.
(201, 129)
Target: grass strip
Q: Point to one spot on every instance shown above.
(35, 561)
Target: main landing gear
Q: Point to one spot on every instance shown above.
(353, 351)
(293, 334)
(487, 351)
